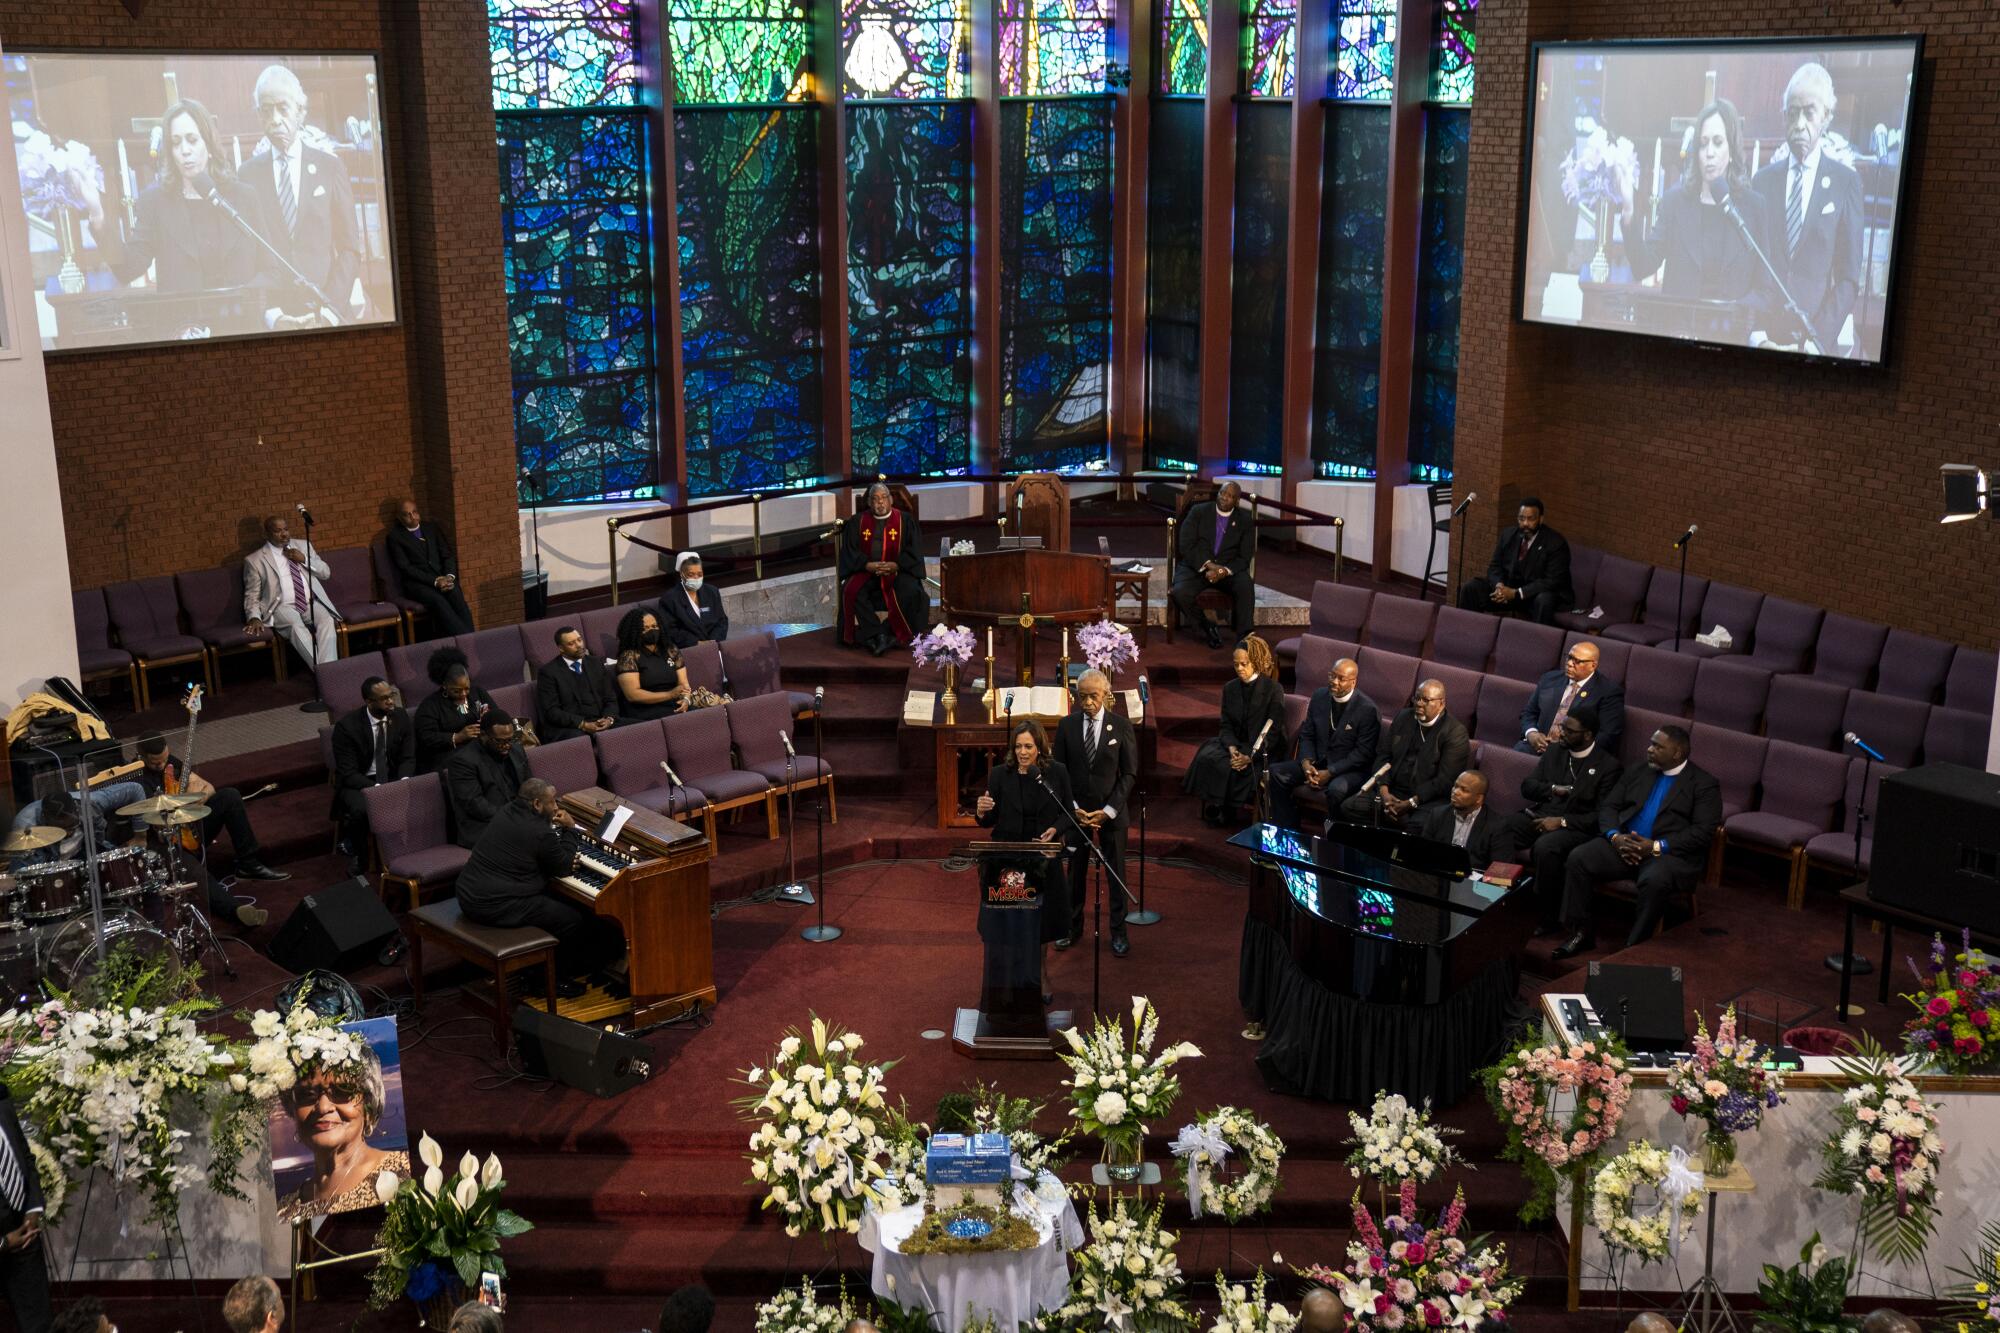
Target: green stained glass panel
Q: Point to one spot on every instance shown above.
(728, 51)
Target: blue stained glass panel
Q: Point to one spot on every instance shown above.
(1173, 286)
(1440, 269)
(1347, 345)
(1257, 284)
(1054, 47)
(562, 53)
(1364, 50)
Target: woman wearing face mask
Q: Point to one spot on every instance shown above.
(1699, 244)
(449, 718)
(1224, 774)
(692, 613)
(651, 679)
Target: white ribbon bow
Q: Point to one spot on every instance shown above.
(1681, 1180)
(1194, 1141)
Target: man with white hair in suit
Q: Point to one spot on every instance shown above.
(1818, 222)
(310, 202)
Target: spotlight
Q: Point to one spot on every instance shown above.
(1964, 492)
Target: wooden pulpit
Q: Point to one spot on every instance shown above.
(1038, 506)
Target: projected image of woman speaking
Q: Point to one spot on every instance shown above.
(1705, 249)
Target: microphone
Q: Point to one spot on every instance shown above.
(1462, 504)
(819, 696)
(1687, 536)
(1260, 737)
(789, 751)
(1377, 776)
(672, 776)
(1864, 747)
(306, 514)
(1145, 692)
(1009, 705)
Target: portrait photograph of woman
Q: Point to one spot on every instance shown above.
(337, 1130)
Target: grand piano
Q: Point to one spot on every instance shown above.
(1376, 961)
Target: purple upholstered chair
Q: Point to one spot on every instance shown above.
(409, 669)
(98, 658)
(407, 821)
(1501, 700)
(147, 616)
(754, 724)
(516, 701)
(1506, 769)
(1400, 624)
(699, 743)
(1387, 678)
(1730, 693)
(1914, 666)
(1835, 851)
(1620, 589)
(1956, 736)
(1295, 717)
(1640, 724)
(1735, 760)
(571, 765)
(392, 587)
(1660, 679)
(1584, 564)
(1614, 658)
(351, 584)
(213, 600)
(1734, 609)
(1663, 597)
(1970, 684)
(1783, 640)
(1464, 638)
(600, 629)
(630, 757)
(1526, 651)
(1316, 659)
(750, 661)
(340, 681)
(496, 657)
(1339, 610)
(1461, 690)
(1848, 651)
(1799, 799)
(1895, 727)
(703, 663)
(538, 638)
(1805, 711)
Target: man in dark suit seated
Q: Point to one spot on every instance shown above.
(1100, 751)
(506, 883)
(482, 777)
(427, 570)
(24, 1274)
(1428, 749)
(1528, 574)
(1337, 745)
(1213, 550)
(1569, 782)
(306, 194)
(1818, 220)
(574, 695)
(1657, 822)
(1575, 684)
(1465, 821)
(692, 613)
(374, 744)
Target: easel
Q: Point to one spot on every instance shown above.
(305, 1242)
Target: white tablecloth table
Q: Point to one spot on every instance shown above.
(1013, 1285)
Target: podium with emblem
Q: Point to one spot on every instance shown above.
(1011, 1021)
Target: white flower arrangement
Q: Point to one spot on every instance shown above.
(285, 1047)
(1208, 1143)
(963, 546)
(1117, 1084)
(1652, 1238)
(818, 1146)
(1398, 1142)
(1885, 1149)
(1248, 1310)
(797, 1310)
(1127, 1276)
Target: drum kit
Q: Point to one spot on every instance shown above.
(151, 904)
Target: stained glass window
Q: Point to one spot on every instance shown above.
(1184, 48)
(1451, 52)
(562, 53)
(909, 286)
(1270, 43)
(1364, 50)
(1347, 347)
(1257, 284)
(906, 48)
(1053, 47)
(1055, 283)
(1440, 267)
(579, 278)
(1173, 287)
(750, 296)
(739, 50)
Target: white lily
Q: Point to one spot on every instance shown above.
(468, 1167)
(433, 1181)
(466, 1194)
(429, 1152)
(386, 1185)
(489, 1175)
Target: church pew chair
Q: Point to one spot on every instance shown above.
(754, 727)
(1893, 726)
(1914, 666)
(409, 669)
(1969, 683)
(1640, 724)
(1461, 689)
(1735, 760)
(1506, 769)
(1316, 658)
(569, 765)
(1501, 700)
(147, 617)
(1848, 651)
(1526, 651)
(408, 824)
(97, 656)
(1614, 656)
(350, 583)
(1729, 693)
(213, 601)
(1399, 624)
(1734, 609)
(1956, 736)
(1464, 638)
(1339, 610)
(1389, 679)
(1835, 851)
(703, 664)
(1805, 711)
(392, 588)
(1798, 798)
(699, 744)
(1659, 624)
(1782, 642)
(1620, 590)
(495, 657)
(340, 681)
(1661, 680)
(750, 664)
(630, 756)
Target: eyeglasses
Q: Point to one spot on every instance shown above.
(301, 1095)
(1579, 661)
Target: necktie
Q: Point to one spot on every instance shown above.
(1643, 825)
(576, 667)
(381, 749)
(11, 1182)
(288, 198)
(1795, 208)
(1521, 552)
(1089, 742)
(1562, 709)
(298, 584)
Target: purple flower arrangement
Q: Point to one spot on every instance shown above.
(944, 645)
(1599, 171)
(1107, 646)
(45, 166)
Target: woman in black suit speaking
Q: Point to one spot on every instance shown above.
(191, 243)
(1697, 236)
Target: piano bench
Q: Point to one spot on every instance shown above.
(501, 950)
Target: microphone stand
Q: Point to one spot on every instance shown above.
(797, 890)
(1458, 541)
(1729, 207)
(299, 279)
(539, 483)
(317, 704)
(1103, 869)
(819, 806)
(1681, 597)
(1854, 964)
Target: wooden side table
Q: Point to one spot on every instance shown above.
(1140, 588)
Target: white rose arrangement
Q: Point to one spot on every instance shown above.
(818, 1147)
(1127, 1276)
(1885, 1148)
(1248, 1310)
(1206, 1146)
(1398, 1142)
(282, 1048)
(1653, 1171)
(1117, 1084)
(798, 1310)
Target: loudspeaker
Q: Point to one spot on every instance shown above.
(1641, 1004)
(597, 1060)
(1937, 845)
(332, 928)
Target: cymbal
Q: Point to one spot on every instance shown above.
(192, 814)
(154, 805)
(33, 839)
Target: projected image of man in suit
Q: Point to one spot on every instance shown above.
(310, 202)
(1817, 222)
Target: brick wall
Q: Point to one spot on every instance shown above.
(158, 449)
(1817, 483)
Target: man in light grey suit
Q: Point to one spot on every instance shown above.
(282, 592)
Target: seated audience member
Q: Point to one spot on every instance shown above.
(482, 777)
(1224, 773)
(883, 601)
(427, 570)
(1569, 782)
(1337, 743)
(1657, 822)
(283, 594)
(1528, 574)
(1212, 550)
(690, 1309)
(1466, 821)
(254, 1305)
(692, 613)
(85, 1315)
(652, 683)
(160, 766)
(1428, 749)
(1576, 683)
(1320, 1311)
(449, 718)
(474, 1317)
(574, 694)
(374, 744)
(506, 883)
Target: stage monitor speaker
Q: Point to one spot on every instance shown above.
(1937, 845)
(333, 928)
(1643, 1005)
(595, 1059)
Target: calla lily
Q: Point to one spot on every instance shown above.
(489, 1175)
(1139, 1003)
(466, 1194)
(468, 1167)
(433, 1181)
(429, 1152)
(386, 1185)
(819, 1035)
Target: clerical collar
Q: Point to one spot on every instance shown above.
(1584, 753)
(1343, 698)
(1252, 680)
(1433, 722)
(1675, 771)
